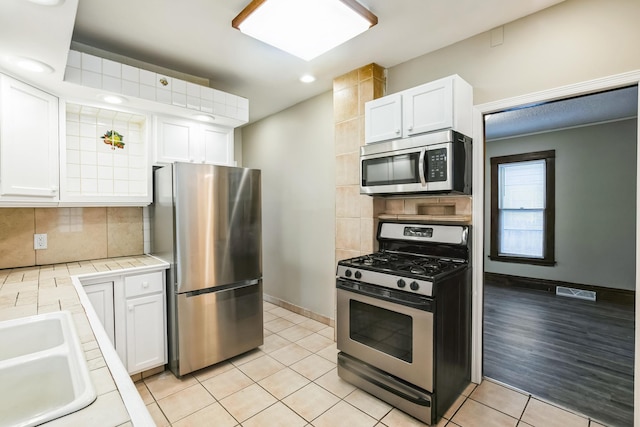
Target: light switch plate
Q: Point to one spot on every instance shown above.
(39, 241)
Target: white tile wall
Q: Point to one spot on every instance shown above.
(95, 168)
(92, 71)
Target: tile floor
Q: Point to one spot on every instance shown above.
(291, 381)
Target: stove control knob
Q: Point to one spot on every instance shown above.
(401, 283)
(414, 286)
(347, 273)
(358, 275)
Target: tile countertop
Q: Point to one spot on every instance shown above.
(27, 291)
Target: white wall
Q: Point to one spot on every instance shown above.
(571, 42)
(295, 151)
(595, 173)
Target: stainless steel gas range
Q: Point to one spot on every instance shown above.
(403, 317)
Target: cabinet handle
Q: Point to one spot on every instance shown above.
(130, 308)
(410, 128)
(54, 189)
(145, 285)
(397, 131)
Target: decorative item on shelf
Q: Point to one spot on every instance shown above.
(114, 139)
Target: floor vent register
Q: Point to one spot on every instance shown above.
(575, 293)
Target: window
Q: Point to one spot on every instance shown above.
(523, 208)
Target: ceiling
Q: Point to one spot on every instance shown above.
(195, 37)
(595, 108)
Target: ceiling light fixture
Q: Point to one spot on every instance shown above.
(304, 28)
(113, 99)
(307, 78)
(204, 118)
(30, 64)
(47, 2)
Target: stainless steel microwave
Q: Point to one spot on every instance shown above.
(437, 162)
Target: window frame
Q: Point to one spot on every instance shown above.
(548, 259)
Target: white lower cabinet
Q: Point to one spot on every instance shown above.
(101, 297)
(145, 321)
(133, 308)
(145, 335)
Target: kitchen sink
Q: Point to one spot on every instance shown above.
(43, 372)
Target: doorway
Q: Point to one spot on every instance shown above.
(626, 256)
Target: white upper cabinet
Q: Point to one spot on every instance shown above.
(383, 118)
(428, 107)
(105, 157)
(175, 140)
(217, 144)
(28, 145)
(442, 104)
(180, 140)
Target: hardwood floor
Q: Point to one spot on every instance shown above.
(576, 353)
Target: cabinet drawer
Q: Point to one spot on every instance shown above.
(143, 284)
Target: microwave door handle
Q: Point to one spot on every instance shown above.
(421, 170)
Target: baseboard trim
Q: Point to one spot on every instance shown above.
(619, 296)
(300, 310)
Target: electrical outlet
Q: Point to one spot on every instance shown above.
(39, 241)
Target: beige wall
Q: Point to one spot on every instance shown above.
(574, 41)
(571, 42)
(73, 234)
(295, 151)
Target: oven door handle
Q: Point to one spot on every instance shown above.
(421, 171)
(408, 300)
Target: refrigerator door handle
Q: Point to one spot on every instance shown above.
(221, 288)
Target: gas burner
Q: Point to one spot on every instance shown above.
(416, 269)
(423, 267)
(378, 259)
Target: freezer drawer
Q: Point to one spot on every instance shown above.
(214, 326)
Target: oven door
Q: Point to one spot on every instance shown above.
(390, 330)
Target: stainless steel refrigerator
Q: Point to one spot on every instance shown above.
(206, 222)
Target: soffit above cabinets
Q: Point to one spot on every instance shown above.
(142, 85)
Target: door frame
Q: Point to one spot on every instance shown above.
(478, 237)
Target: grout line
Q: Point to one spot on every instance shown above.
(525, 407)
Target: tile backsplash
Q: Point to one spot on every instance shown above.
(73, 234)
(95, 168)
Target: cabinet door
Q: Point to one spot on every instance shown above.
(146, 333)
(28, 142)
(217, 144)
(101, 297)
(175, 140)
(428, 107)
(383, 118)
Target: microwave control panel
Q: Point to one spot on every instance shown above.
(436, 165)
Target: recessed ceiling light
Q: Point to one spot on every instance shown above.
(307, 78)
(113, 99)
(30, 64)
(306, 29)
(204, 118)
(47, 2)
